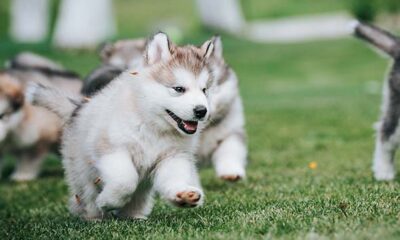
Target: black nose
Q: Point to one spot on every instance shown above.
(200, 111)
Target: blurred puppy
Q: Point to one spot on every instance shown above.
(223, 141)
(116, 57)
(26, 131)
(136, 135)
(388, 131)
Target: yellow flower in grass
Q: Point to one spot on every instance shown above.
(313, 165)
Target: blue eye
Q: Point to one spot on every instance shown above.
(179, 89)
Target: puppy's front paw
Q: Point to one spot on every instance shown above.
(107, 202)
(188, 198)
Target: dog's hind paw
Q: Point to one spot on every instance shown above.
(232, 173)
(231, 177)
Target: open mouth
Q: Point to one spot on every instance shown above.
(188, 127)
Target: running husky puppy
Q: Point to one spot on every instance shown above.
(223, 140)
(26, 131)
(137, 135)
(388, 131)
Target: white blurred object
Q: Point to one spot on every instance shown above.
(226, 15)
(84, 23)
(222, 14)
(29, 20)
(301, 28)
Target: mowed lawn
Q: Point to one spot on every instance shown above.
(308, 102)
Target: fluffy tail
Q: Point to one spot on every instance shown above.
(380, 38)
(53, 99)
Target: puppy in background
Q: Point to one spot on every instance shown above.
(26, 131)
(116, 58)
(224, 139)
(388, 130)
(138, 134)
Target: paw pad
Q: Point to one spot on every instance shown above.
(188, 198)
(231, 178)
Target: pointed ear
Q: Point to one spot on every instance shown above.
(158, 49)
(218, 52)
(207, 49)
(106, 50)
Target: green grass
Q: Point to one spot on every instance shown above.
(304, 102)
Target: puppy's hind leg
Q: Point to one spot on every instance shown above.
(119, 178)
(141, 203)
(29, 164)
(229, 159)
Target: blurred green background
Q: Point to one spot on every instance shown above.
(304, 102)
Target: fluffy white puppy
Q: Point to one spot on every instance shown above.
(224, 139)
(138, 134)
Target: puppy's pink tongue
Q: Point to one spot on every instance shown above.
(189, 125)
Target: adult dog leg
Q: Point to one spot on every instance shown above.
(383, 162)
(387, 137)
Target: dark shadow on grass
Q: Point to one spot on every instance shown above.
(52, 173)
(46, 173)
(222, 185)
(51, 167)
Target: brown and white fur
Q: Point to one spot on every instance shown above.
(138, 135)
(223, 141)
(388, 131)
(27, 131)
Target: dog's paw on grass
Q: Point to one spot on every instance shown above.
(188, 199)
(231, 178)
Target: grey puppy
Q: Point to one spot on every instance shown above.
(115, 57)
